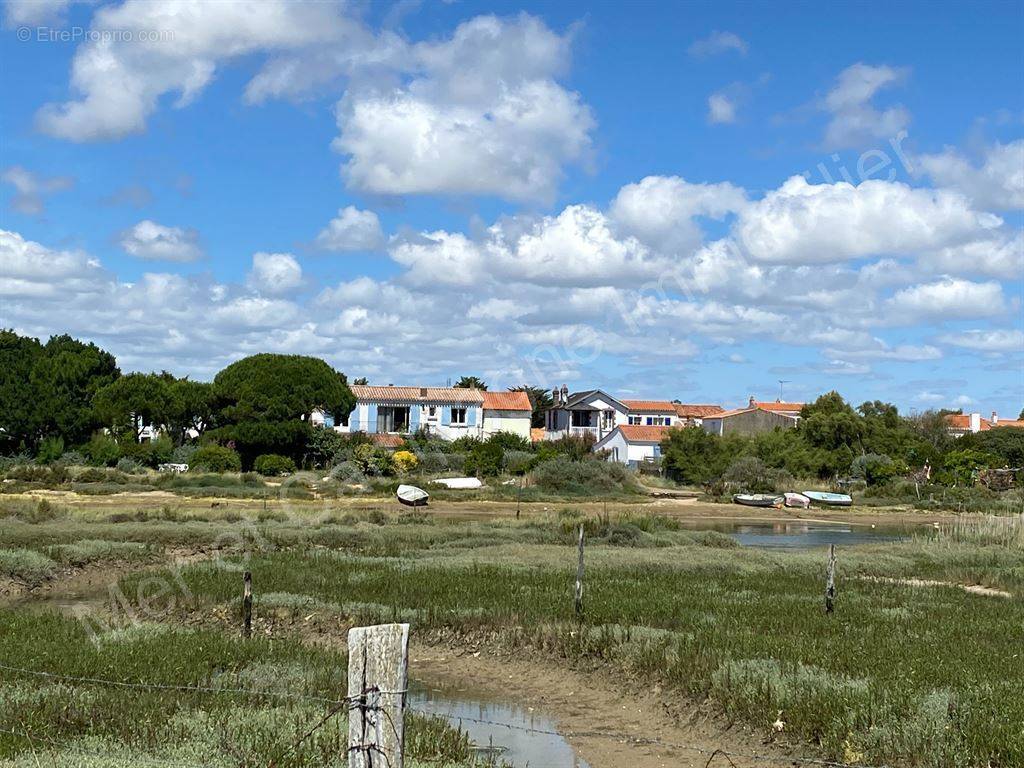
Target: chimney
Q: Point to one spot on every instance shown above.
(995, 419)
(975, 419)
(753, 402)
(565, 394)
(554, 396)
(423, 391)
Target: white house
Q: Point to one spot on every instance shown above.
(591, 412)
(651, 413)
(633, 444)
(507, 412)
(449, 412)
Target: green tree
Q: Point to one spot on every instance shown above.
(131, 403)
(540, 402)
(471, 382)
(65, 379)
(20, 417)
(193, 407)
(694, 456)
(266, 401)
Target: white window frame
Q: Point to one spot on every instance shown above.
(457, 422)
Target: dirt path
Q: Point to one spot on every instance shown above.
(594, 713)
(974, 589)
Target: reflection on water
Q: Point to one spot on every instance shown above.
(799, 534)
(541, 746)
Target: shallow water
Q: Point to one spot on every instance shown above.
(532, 741)
(800, 534)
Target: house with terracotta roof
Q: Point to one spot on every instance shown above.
(753, 419)
(507, 412)
(651, 413)
(448, 412)
(958, 424)
(633, 444)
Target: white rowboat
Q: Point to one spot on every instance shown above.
(797, 500)
(829, 499)
(758, 499)
(412, 496)
(459, 483)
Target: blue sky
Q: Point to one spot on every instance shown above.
(544, 193)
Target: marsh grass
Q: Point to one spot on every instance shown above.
(95, 725)
(901, 675)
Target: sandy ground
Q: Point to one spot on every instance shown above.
(87, 506)
(609, 721)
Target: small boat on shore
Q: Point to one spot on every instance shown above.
(758, 499)
(829, 499)
(412, 496)
(796, 500)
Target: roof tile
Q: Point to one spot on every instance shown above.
(507, 401)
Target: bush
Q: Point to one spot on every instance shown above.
(102, 450)
(510, 441)
(485, 459)
(875, 469)
(216, 458)
(54, 474)
(183, 454)
(50, 450)
(519, 462)
(73, 459)
(372, 461)
(749, 473)
(130, 466)
(151, 454)
(272, 465)
(582, 478)
(405, 461)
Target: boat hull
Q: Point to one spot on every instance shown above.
(757, 500)
(797, 500)
(412, 496)
(829, 499)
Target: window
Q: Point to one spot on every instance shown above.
(580, 418)
(458, 415)
(392, 419)
(657, 421)
(607, 419)
(636, 420)
(432, 412)
(650, 420)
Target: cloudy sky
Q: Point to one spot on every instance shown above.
(688, 201)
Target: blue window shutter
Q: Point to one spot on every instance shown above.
(446, 415)
(328, 421)
(371, 418)
(414, 418)
(471, 415)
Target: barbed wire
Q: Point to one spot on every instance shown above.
(347, 701)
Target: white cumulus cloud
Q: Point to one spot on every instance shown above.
(351, 230)
(275, 273)
(854, 118)
(151, 241)
(997, 181)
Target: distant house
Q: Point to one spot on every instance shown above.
(694, 415)
(958, 424)
(633, 444)
(651, 413)
(757, 417)
(507, 412)
(592, 412)
(448, 412)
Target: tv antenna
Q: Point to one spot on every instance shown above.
(781, 382)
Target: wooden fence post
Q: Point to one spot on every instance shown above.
(247, 605)
(519, 496)
(830, 580)
(579, 578)
(378, 666)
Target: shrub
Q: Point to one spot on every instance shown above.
(371, 461)
(26, 566)
(579, 478)
(50, 450)
(151, 454)
(875, 469)
(73, 459)
(216, 458)
(519, 462)
(485, 459)
(272, 465)
(405, 461)
(29, 473)
(130, 466)
(510, 441)
(183, 454)
(102, 450)
(749, 473)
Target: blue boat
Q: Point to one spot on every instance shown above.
(829, 499)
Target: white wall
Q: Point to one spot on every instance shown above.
(516, 422)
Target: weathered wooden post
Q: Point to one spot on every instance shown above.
(579, 578)
(519, 496)
(247, 605)
(378, 664)
(830, 580)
